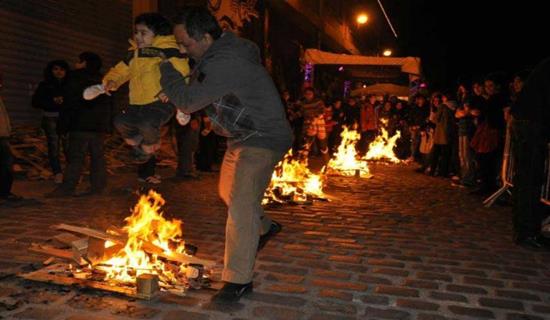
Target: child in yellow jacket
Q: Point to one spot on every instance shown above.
(140, 124)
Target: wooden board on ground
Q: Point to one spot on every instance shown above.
(49, 275)
(65, 238)
(59, 253)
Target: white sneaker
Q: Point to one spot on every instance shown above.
(151, 179)
(182, 118)
(58, 178)
(93, 92)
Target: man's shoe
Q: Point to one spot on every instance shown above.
(231, 292)
(273, 230)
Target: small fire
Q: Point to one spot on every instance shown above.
(146, 226)
(382, 147)
(293, 180)
(345, 161)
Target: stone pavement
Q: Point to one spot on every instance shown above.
(398, 246)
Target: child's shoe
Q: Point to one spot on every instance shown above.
(150, 180)
(139, 156)
(93, 92)
(182, 118)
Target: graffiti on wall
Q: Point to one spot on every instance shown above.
(233, 14)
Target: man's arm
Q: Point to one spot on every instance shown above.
(220, 79)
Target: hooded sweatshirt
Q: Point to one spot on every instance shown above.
(237, 93)
(141, 68)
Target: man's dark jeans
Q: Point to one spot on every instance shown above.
(80, 143)
(188, 142)
(55, 142)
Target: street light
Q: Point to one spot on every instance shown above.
(362, 18)
(387, 53)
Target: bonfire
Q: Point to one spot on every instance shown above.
(346, 161)
(147, 225)
(292, 181)
(147, 253)
(382, 147)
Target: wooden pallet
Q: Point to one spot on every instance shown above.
(51, 274)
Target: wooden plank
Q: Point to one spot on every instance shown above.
(147, 246)
(65, 238)
(59, 253)
(48, 275)
(90, 232)
(40, 168)
(185, 259)
(80, 245)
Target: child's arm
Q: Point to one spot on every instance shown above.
(117, 76)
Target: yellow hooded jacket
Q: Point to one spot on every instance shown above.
(141, 68)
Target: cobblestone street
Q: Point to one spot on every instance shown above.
(398, 246)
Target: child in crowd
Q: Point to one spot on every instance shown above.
(49, 96)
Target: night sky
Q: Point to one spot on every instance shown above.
(461, 40)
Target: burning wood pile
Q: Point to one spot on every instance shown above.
(293, 182)
(346, 161)
(381, 149)
(146, 256)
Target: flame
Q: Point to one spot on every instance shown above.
(293, 179)
(345, 161)
(147, 226)
(382, 147)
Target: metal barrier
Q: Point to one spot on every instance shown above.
(507, 169)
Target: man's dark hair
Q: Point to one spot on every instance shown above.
(93, 61)
(198, 21)
(156, 22)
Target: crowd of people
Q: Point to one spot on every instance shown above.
(457, 134)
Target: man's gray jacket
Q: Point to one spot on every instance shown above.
(237, 91)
